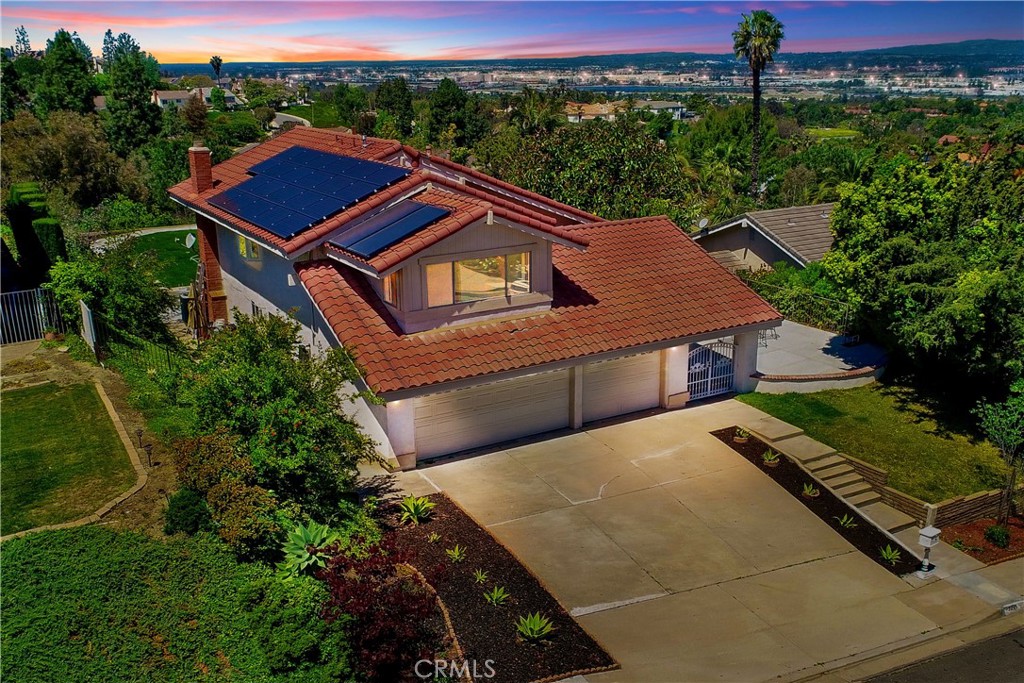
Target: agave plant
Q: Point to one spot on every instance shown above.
(846, 521)
(496, 596)
(416, 510)
(456, 554)
(890, 554)
(480, 576)
(810, 491)
(534, 627)
(303, 548)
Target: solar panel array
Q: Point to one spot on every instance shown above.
(300, 187)
(388, 228)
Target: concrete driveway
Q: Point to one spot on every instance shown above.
(683, 559)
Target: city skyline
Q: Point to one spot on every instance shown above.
(178, 32)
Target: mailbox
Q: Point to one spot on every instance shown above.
(929, 537)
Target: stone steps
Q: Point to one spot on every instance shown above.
(804, 449)
(889, 518)
(833, 471)
(863, 499)
(854, 489)
(825, 463)
(843, 481)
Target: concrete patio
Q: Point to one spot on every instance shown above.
(799, 349)
(685, 561)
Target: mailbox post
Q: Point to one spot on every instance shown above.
(928, 538)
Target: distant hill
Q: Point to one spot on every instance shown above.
(1007, 48)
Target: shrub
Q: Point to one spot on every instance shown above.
(92, 604)
(51, 237)
(187, 513)
(386, 613)
(998, 535)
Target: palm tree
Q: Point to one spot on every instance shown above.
(757, 39)
(215, 63)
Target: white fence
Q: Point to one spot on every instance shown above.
(28, 315)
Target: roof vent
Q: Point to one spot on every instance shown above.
(824, 213)
(364, 140)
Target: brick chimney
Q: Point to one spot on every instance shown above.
(200, 167)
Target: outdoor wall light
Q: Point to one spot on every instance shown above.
(928, 538)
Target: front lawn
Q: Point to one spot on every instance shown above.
(325, 115)
(62, 458)
(91, 604)
(887, 427)
(829, 133)
(176, 267)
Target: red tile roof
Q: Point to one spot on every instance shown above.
(640, 282)
(234, 171)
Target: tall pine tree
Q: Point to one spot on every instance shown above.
(134, 119)
(67, 82)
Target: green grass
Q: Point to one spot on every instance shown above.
(176, 267)
(62, 458)
(832, 132)
(325, 115)
(890, 428)
(92, 604)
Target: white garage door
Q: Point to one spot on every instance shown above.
(478, 416)
(620, 386)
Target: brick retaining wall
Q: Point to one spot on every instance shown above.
(967, 508)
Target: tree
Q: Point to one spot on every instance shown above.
(119, 283)
(264, 115)
(66, 82)
(108, 49)
(194, 114)
(350, 101)
(218, 100)
(12, 93)
(216, 63)
(133, 118)
(1003, 424)
(757, 40)
(395, 99)
(447, 106)
(70, 153)
(533, 112)
(22, 46)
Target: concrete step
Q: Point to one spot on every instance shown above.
(854, 489)
(804, 448)
(773, 429)
(833, 472)
(843, 482)
(862, 499)
(889, 517)
(825, 463)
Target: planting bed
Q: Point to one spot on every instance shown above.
(486, 632)
(865, 537)
(973, 542)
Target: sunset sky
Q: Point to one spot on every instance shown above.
(285, 30)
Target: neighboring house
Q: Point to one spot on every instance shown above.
(948, 140)
(229, 97)
(165, 98)
(477, 311)
(99, 103)
(797, 235)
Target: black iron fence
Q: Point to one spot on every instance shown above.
(801, 306)
(110, 343)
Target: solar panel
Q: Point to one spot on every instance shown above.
(300, 187)
(389, 228)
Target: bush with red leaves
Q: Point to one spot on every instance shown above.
(391, 618)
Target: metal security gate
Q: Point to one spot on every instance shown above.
(710, 370)
(28, 315)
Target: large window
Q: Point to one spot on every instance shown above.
(478, 279)
(248, 250)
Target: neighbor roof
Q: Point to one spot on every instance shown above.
(803, 231)
(640, 282)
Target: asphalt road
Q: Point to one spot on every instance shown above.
(999, 659)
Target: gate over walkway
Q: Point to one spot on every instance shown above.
(710, 370)
(28, 314)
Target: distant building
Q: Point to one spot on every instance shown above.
(578, 112)
(948, 140)
(165, 98)
(206, 93)
(797, 235)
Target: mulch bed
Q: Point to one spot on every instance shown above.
(486, 632)
(971, 537)
(865, 537)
